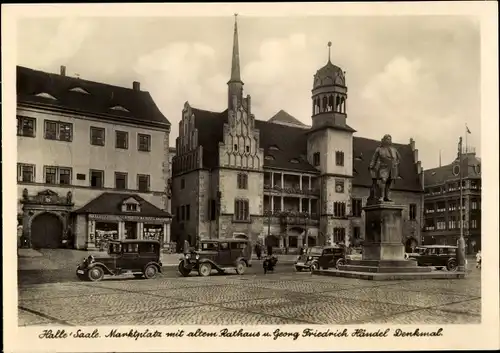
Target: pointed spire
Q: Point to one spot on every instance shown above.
(329, 51)
(235, 65)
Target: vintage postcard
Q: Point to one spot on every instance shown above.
(250, 177)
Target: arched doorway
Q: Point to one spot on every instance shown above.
(410, 245)
(46, 231)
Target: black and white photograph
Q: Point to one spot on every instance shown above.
(243, 167)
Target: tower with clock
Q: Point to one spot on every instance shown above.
(329, 147)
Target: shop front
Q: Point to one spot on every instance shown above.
(94, 227)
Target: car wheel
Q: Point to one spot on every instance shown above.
(241, 267)
(182, 270)
(314, 266)
(95, 274)
(452, 266)
(340, 262)
(150, 271)
(205, 269)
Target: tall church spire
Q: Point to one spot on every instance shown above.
(235, 63)
(235, 85)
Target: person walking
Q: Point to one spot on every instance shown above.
(258, 251)
(478, 259)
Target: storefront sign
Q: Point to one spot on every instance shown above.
(128, 218)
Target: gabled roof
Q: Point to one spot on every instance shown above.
(440, 175)
(111, 204)
(291, 142)
(101, 98)
(285, 118)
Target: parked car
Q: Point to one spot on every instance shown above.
(438, 256)
(323, 257)
(220, 255)
(139, 257)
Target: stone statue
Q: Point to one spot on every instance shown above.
(384, 169)
(69, 197)
(25, 194)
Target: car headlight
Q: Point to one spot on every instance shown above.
(197, 257)
(90, 259)
(188, 256)
(309, 258)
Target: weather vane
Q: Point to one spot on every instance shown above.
(329, 50)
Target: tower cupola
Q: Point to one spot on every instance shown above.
(329, 96)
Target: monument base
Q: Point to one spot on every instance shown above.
(388, 276)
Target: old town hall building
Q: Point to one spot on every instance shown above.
(280, 181)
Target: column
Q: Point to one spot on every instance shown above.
(272, 179)
(309, 209)
(272, 202)
(90, 234)
(300, 182)
(121, 230)
(309, 182)
(140, 227)
(282, 180)
(166, 234)
(282, 203)
(300, 203)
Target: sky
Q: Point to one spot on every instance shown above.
(410, 76)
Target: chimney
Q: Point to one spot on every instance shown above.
(412, 143)
(136, 86)
(419, 167)
(63, 70)
(415, 156)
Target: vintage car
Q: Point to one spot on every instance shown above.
(438, 256)
(220, 255)
(321, 257)
(139, 257)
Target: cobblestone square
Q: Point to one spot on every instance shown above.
(279, 298)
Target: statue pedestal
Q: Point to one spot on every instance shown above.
(383, 250)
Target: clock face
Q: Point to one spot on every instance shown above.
(339, 188)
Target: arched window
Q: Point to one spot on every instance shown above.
(324, 104)
(337, 106)
(330, 103)
(342, 104)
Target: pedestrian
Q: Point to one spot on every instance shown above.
(186, 246)
(301, 251)
(258, 251)
(269, 250)
(478, 259)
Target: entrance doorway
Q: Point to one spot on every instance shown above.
(130, 230)
(46, 231)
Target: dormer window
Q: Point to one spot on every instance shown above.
(269, 158)
(131, 205)
(294, 161)
(274, 148)
(46, 95)
(119, 107)
(79, 90)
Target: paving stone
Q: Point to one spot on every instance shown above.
(457, 287)
(337, 311)
(394, 295)
(58, 290)
(426, 316)
(205, 315)
(216, 294)
(471, 307)
(87, 306)
(298, 286)
(25, 318)
(152, 284)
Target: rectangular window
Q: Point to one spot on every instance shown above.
(183, 183)
(121, 181)
(339, 235)
(26, 173)
(178, 213)
(97, 178)
(242, 181)
(65, 176)
(26, 126)
(57, 175)
(473, 223)
(80, 176)
(473, 205)
(121, 140)
(188, 212)
(97, 136)
(143, 182)
(58, 130)
(413, 211)
(144, 142)
(183, 213)
(356, 232)
(357, 207)
(339, 209)
(50, 175)
(339, 158)
(241, 210)
(213, 210)
(316, 159)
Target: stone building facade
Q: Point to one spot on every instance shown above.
(280, 181)
(92, 162)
